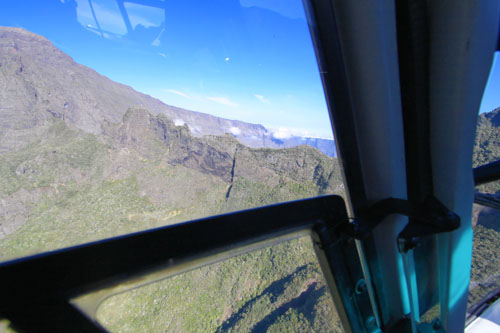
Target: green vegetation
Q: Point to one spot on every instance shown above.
(60, 154)
(487, 145)
(71, 187)
(485, 274)
(247, 194)
(276, 288)
(78, 213)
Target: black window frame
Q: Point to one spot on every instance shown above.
(37, 291)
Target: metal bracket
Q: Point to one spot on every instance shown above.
(428, 218)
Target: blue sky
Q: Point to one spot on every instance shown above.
(491, 97)
(250, 60)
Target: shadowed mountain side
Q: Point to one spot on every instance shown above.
(156, 137)
(308, 297)
(273, 291)
(280, 287)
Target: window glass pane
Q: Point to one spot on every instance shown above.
(487, 143)
(119, 116)
(274, 289)
(485, 274)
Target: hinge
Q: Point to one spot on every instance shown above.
(428, 218)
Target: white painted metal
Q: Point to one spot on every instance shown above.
(368, 37)
(487, 322)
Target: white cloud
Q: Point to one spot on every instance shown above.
(223, 101)
(179, 122)
(227, 59)
(177, 92)
(288, 132)
(235, 130)
(262, 99)
(282, 133)
(162, 54)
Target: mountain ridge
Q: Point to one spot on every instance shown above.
(65, 127)
(40, 77)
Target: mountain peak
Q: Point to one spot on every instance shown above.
(19, 40)
(493, 116)
(20, 34)
(46, 84)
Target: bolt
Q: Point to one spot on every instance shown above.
(436, 325)
(360, 287)
(371, 325)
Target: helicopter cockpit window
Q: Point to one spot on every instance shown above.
(122, 116)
